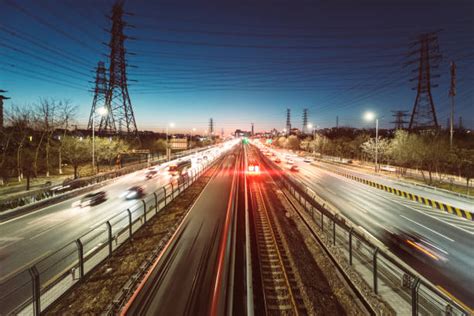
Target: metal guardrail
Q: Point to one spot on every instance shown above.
(32, 290)
(421, 295)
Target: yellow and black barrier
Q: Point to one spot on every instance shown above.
(439, 205)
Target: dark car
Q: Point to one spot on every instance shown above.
(419, 246)
(93, 199)
(151, 174)
(134, 192)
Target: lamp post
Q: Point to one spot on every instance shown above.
(168, 149)
(310, 128)
(102, 112)
(370, 116)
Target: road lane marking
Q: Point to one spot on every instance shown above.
(423, 213)
(452, 240)
(23, 267)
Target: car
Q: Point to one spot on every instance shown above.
(92, 199)
(290, 161)
(277, 160)
(134, 192)
(253, 168)
(308, 160)
(419, 246)
(294, 168)
(151, 174)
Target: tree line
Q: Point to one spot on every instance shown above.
(429, 152)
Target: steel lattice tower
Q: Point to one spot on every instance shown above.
(100, 92)
(120, 116)
(399, 120)
(2, 97)
(288, 121)
(424, 114)
(305, 121)
(211, 127)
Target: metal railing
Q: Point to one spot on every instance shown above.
(372, 261)
(32, 290)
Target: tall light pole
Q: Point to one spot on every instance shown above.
(310, 128)
(168, 149)
(370, 116)
(101, 111)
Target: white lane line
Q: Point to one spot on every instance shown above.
(424, 213)
(452, 240)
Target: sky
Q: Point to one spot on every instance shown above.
(240, 62)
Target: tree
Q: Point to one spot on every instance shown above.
(107, 149)
(292, 142)
(382, 146)
(76, 151)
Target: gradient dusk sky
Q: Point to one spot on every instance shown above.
(240, 62)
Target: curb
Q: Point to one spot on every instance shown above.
(417, 198)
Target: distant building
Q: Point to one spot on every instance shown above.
(240, 133)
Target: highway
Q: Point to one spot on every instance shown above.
(378, 211)
(183, 279)
(26, 239)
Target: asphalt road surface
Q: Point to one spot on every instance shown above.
(378, 211)
(182, 282)
(26, 239)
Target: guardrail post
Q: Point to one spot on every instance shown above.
(129, 222)
(414, 297)
(375, 270)
(164, 190)
(156, 202)
(144, 211)
(172, 190)
(35, 281)
(322, 221)
(80, 255)
(334, 230)
(109, 229)
(350, 245)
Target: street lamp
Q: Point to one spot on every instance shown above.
(370, 116)
(102, 112)
(310, 128)
(168, 149)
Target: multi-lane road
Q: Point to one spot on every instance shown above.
(28, 238)
(378, 211)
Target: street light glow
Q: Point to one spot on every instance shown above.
(369, 116)
(171, 125)
(310, 126)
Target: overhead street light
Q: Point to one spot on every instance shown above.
(370, 116)
(102, 111)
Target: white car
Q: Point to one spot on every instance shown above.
(308, 160)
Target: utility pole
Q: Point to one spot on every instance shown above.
(305, 121)
(452, 93)
(2, 97)
(424, 115)
(288, 121)
(117, 102)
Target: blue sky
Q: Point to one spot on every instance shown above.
(240, 62)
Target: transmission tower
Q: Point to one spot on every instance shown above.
(399, 120)
(120, 116)
(305, 121)
(211, 127)
(288, 121)
(252, 129)
(424, 114)
(100, 92)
